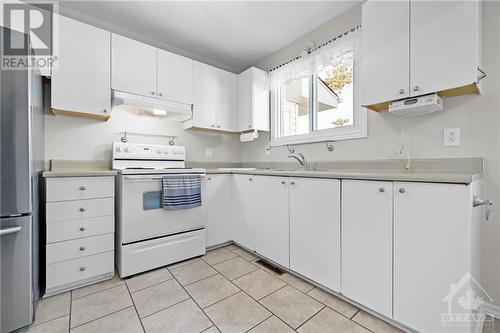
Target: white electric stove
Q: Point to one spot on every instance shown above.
(148, 236)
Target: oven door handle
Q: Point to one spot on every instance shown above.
(143, 178)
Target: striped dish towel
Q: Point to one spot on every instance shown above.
(181, 191)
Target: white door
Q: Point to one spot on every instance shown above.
(245, 105)
(175, 77)
(315, 230)
(217, 199)
(227, 100)
(243, 210)
(367, 244)
(80, 79)
(272, 220)
(133, 66)
(432, 236)
(205, 94)
(444, 44)
(385, 51)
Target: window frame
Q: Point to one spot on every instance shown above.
(357, 131)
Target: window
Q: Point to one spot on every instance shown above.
(319, 105)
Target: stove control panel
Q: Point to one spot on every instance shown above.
(139, 151)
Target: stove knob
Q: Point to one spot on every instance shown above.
(158, 151)
(118, 149)
(126, 149)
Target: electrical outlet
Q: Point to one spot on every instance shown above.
(451, 137)
(208, 152)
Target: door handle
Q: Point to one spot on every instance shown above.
(479, 202)
(9, 231)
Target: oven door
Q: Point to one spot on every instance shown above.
(140, 215)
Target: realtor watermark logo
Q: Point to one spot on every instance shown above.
(27, 40)
(465, 300)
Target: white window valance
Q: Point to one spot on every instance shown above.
(328, 54)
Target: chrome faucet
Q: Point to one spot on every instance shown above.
(302, 160)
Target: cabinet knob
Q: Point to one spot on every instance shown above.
(160, 94)
(153, 93)
(83, 188)
(212, 125)
(83, 228)
(416, 88)
(82, 209)
(105, 110)
(283, 182)
(209, 178)
(218, 126)
(82, 248)
(250, 179)
(292, 183)
(402, 190)
(401, 91)
(82, 268)
(381, 189)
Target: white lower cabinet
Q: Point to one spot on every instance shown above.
(243, 211)
(272, 218)
(434, 227)
(367, 244)
(217, 197)
(315, 230)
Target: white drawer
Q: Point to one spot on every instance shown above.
(72, 271)
(76, 188)
(67, 230)
(62, 251)
(80, 209)
(143, 256)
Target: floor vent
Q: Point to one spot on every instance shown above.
(271, 267)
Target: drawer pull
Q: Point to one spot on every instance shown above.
(402, 190)
(82, 268)
(83, 188)
(283, 182)
(83, 228)
(82, 248)
(82, 209)
(381, 189)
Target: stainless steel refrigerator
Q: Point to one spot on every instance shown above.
(22, 160)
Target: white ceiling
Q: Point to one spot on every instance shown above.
(234, 33)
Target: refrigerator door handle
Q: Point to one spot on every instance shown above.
(9, 231)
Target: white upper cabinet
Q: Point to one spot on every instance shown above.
(412, 48)
(217, 199)
(385, 54)
(133, 66)
(253, 100)
(315, 230)
(367, 244)
(444, 44)
(80, 79)
(175, 77)
(272, 218)
(215, 98)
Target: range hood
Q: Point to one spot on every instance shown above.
(151, 106)
(416, 106)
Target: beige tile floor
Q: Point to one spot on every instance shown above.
(224, 291)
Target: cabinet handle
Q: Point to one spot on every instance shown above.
(250, 179)
(83, 228)
(218, 126)
(381, 189)
(82, 209)
(292, 183)
(416, 88)
(402, 190)
(401, 91)
(82, 268)
(82, 248)
(283, 182)
(83, 188)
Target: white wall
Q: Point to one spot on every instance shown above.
(476, 116)
(86, 139)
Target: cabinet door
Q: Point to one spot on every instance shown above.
(217, 199)
(444, 45)
(227, 101)
(205, 92)
(260, 100)
(175, 77)
(272, 218)
(80, 81)
(243, 210)
(133, 66)
(385, 51)
(431, 251)
(245, 96)
(315, 230)
(367, 244)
